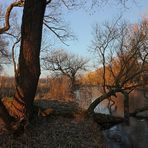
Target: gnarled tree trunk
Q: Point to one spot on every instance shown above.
(28, 71)
(90, 110)
(29, 63)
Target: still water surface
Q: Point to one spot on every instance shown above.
(133, 136)
(122, 136)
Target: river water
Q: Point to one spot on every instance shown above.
(122, 136)
(133, 136)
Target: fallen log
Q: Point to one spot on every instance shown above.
(138, 113)
(107, 121)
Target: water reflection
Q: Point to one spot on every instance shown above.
(133, 136)
(123, 136)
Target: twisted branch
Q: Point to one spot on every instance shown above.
(7, 15)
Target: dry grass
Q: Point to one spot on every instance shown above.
(55, 88)
(6, 88)
(57, 131)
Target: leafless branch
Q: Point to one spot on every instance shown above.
(7, 15)
(60, 32)
(13, 56)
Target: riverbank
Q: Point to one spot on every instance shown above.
(57, 132)
(65, 127)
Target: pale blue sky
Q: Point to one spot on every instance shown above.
(81, 22)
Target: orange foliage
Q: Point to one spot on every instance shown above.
(113, 73)
(59, 88)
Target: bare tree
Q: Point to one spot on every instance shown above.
(28, 71)
(124, 54)
(29, 55)
(63, 63)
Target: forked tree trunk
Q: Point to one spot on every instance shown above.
(28, 71)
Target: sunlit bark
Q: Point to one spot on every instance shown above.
(6, 27)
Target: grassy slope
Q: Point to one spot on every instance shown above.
(58, 130)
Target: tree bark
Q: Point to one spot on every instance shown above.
(90, 110)
(29, 63)
(134, 114)
(126, 107)
(4, 114)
